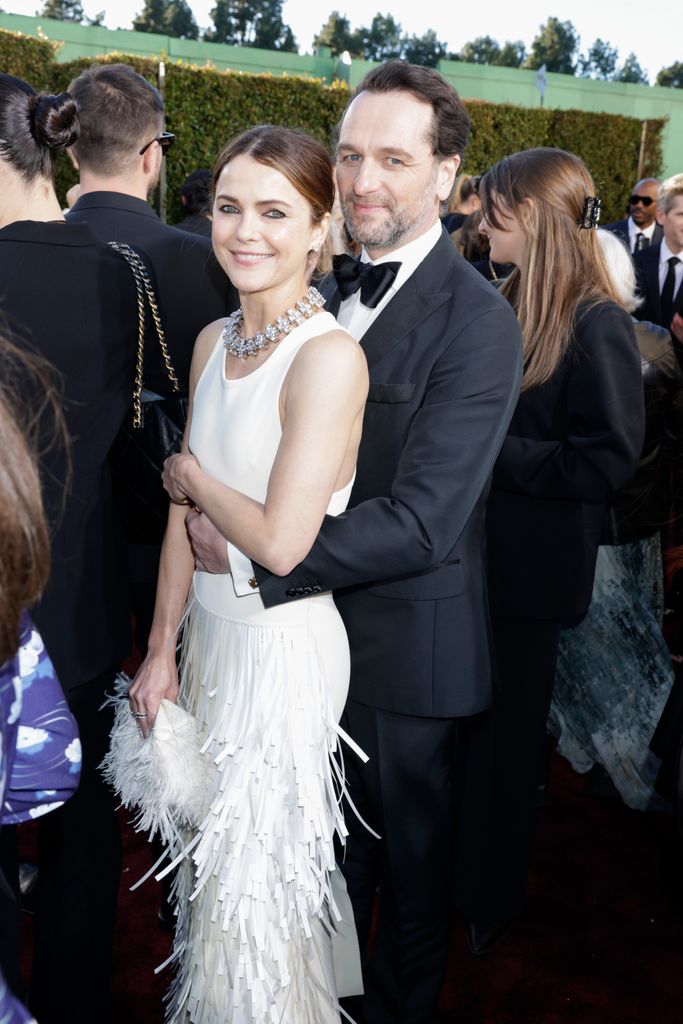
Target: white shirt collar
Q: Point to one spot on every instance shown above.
(665, 253)
(634, 230)
(409, 255)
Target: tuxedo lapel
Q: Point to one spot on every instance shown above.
(650, 264)
(413, 303)
(331, 294)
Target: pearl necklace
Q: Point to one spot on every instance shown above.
(241, 347)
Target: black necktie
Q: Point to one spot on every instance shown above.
(668, 292)
(640, 242)
(374, 281)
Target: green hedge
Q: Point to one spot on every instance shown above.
(206, 107)
(27, 58)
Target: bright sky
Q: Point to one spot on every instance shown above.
(653, 31)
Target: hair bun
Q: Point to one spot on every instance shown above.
(54, 120)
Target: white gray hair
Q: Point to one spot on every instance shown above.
(621, 270)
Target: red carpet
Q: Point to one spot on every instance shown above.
(600, 943)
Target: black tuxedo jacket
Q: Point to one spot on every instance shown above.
(191, 287)
(647, 269)
(65, 295)
(572, 443)
(406, 559)
(620, 228)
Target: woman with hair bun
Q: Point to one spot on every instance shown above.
(72, 300)
(575, 438)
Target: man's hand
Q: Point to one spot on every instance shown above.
(677, 327)
(208, 545)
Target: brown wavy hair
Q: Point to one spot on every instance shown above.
(563, 267)
(25, 548)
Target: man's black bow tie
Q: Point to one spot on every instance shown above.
(374, 281)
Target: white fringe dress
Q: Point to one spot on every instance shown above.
(260, 900)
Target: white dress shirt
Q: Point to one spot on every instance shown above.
(634, 231)
(665, 254)
(356, 318)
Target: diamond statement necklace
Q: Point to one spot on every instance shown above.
(241, 347)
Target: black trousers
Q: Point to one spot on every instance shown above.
(503, 751)
(405, 793)
(78, 880)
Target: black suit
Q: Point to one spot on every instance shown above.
(405, 562)
(620, 228)
(572, 443)
(74, 301)
(647, 270)
(192, 291)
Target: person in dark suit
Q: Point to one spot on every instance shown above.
(119, 154)
(660, 268)
(406, 560)
(195, 196)
(575, 437)
(640, 229)
(72, 300)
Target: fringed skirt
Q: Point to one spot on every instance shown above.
(260, 901)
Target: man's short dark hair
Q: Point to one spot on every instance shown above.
(450, 123)
(196, 191)
(119, 112)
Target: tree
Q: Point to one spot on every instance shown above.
(179, 20)
(482, 50)
(671, 76)
(251, 23)
(600, 61)
(426, 50)
(336, 33)
(381, 41)
(556, 46)
(63, 10)
(631, 71)
(151, 18)
(511, 55)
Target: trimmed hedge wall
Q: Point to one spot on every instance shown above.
(205, 108)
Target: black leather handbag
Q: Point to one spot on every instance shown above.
(152, 431)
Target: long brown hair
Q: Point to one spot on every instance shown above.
(563, 267)
(25, 546)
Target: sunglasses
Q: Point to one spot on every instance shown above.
(645, 200)
(165, 140)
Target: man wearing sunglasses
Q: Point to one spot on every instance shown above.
(640, 229)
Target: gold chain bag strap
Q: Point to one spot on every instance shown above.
(153, 431)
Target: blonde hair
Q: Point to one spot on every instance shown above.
(621, 269)
(668, 191)
(562, 268)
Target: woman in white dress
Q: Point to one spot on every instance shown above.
(277, 399)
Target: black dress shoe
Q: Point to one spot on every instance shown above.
(483, 937)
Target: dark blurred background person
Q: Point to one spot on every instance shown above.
(118, 155)
(40, 752)
(195, 197)
(614, 669)
(464, 201)
(640, 228)
(73, 301)
(575, 438)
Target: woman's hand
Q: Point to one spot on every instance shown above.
(155, 680)
(175, 477)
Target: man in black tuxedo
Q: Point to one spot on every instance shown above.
(406, 560)
(640, 229)
(660, 268)
(119, 154)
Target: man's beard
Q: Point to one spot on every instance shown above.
(396, 226)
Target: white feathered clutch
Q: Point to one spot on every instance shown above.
(164, 777)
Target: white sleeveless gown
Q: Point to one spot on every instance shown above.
(259, 895)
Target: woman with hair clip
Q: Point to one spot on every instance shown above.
(574, 439)
(277, 397)
(69, 298)
(40, 753)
